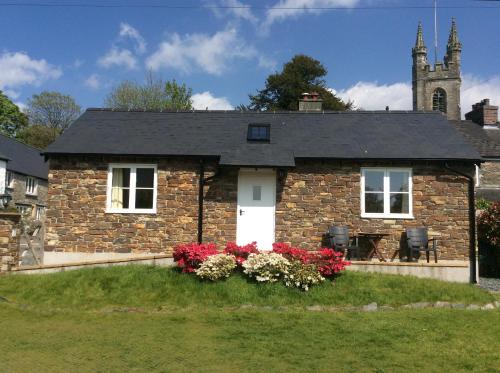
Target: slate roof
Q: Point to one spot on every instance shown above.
(23, 159)
(485, 139)
(339, 135)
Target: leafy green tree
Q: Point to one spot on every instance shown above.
(12, 120)
(52, 110)
(283, 89)
(154, 94)
(38, 136)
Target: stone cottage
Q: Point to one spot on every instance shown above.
(482, 129)
(133, 183)
(23, 176)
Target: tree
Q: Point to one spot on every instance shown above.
(53, 110)
(154, 94)
(283, 90)
(12, 120)
(38, 136)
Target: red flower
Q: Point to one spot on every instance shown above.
(189, 257)
(241, 253)
(291, 253)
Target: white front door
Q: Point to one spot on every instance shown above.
(256, 205)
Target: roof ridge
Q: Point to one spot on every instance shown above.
(346, 112)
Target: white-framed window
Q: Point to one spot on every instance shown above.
(386, 193)
(9, 179)
(40, 212)
(23, 209)
(132, 188)
(31, 186)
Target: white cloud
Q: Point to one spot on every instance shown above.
(372, 96)
(267, 63)
(475, 89)
(118, 57)
(93, 81)
(18, 69)
(21, 106)
(204, 100)
(127, 31)
(239, 10)
(77, 63)
(210, 53)
(398, 96)
(284, 9)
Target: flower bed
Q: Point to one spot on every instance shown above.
(294, 266)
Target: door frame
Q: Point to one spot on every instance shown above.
(262, 171)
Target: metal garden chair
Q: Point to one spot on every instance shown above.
(341, 241)
(418, 240)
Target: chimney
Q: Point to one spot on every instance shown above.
(483, 113)
(310, 102)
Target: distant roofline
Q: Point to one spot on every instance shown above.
(22, 143)
(266, 112)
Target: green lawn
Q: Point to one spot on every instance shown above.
(147, 286)
(64, 322)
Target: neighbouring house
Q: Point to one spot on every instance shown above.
(23, 176)
(482, 129)
(133, 183)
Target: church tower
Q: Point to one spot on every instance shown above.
(437, 87)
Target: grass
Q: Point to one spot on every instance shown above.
(430, 340)
(147, 286)
(64, 322)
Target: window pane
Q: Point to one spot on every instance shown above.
(399, 181)
(257, 191)
(374, 181)
(144, 199)
(374, 202)
(121, 177)
(120, 197)
(145, 177)
(400, 203)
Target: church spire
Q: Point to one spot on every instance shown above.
(419, 44)
(419, 52)
(453, 42)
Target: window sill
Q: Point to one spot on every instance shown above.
(130, 211)
(388, 216)
(32, 194)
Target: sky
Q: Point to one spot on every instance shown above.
(225, 49)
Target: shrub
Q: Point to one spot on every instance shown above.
(488, 226)
(216, 267)
(302, 275)
(241, 253)
(482, 204)
(266, 267)
(329, 262)
(189, 257)
(291, 253)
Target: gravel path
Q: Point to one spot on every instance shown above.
(491, 284)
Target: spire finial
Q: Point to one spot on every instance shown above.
(420, 48)
(453, 42)
(419, 43)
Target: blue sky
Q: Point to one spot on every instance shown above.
(225, 53)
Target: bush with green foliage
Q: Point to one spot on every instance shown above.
(216, 267)
(302, 276)
(488, 226)
(266, 267)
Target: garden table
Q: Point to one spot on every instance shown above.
(374, 240)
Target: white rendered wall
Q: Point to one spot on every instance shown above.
(3, 171)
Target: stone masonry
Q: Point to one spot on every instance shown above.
(9, 238)
(316, 195)
(310, 197)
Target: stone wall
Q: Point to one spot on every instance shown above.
(310, 197)
(316, 195)
(17, 190)
(490, 175)
(9, 238)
